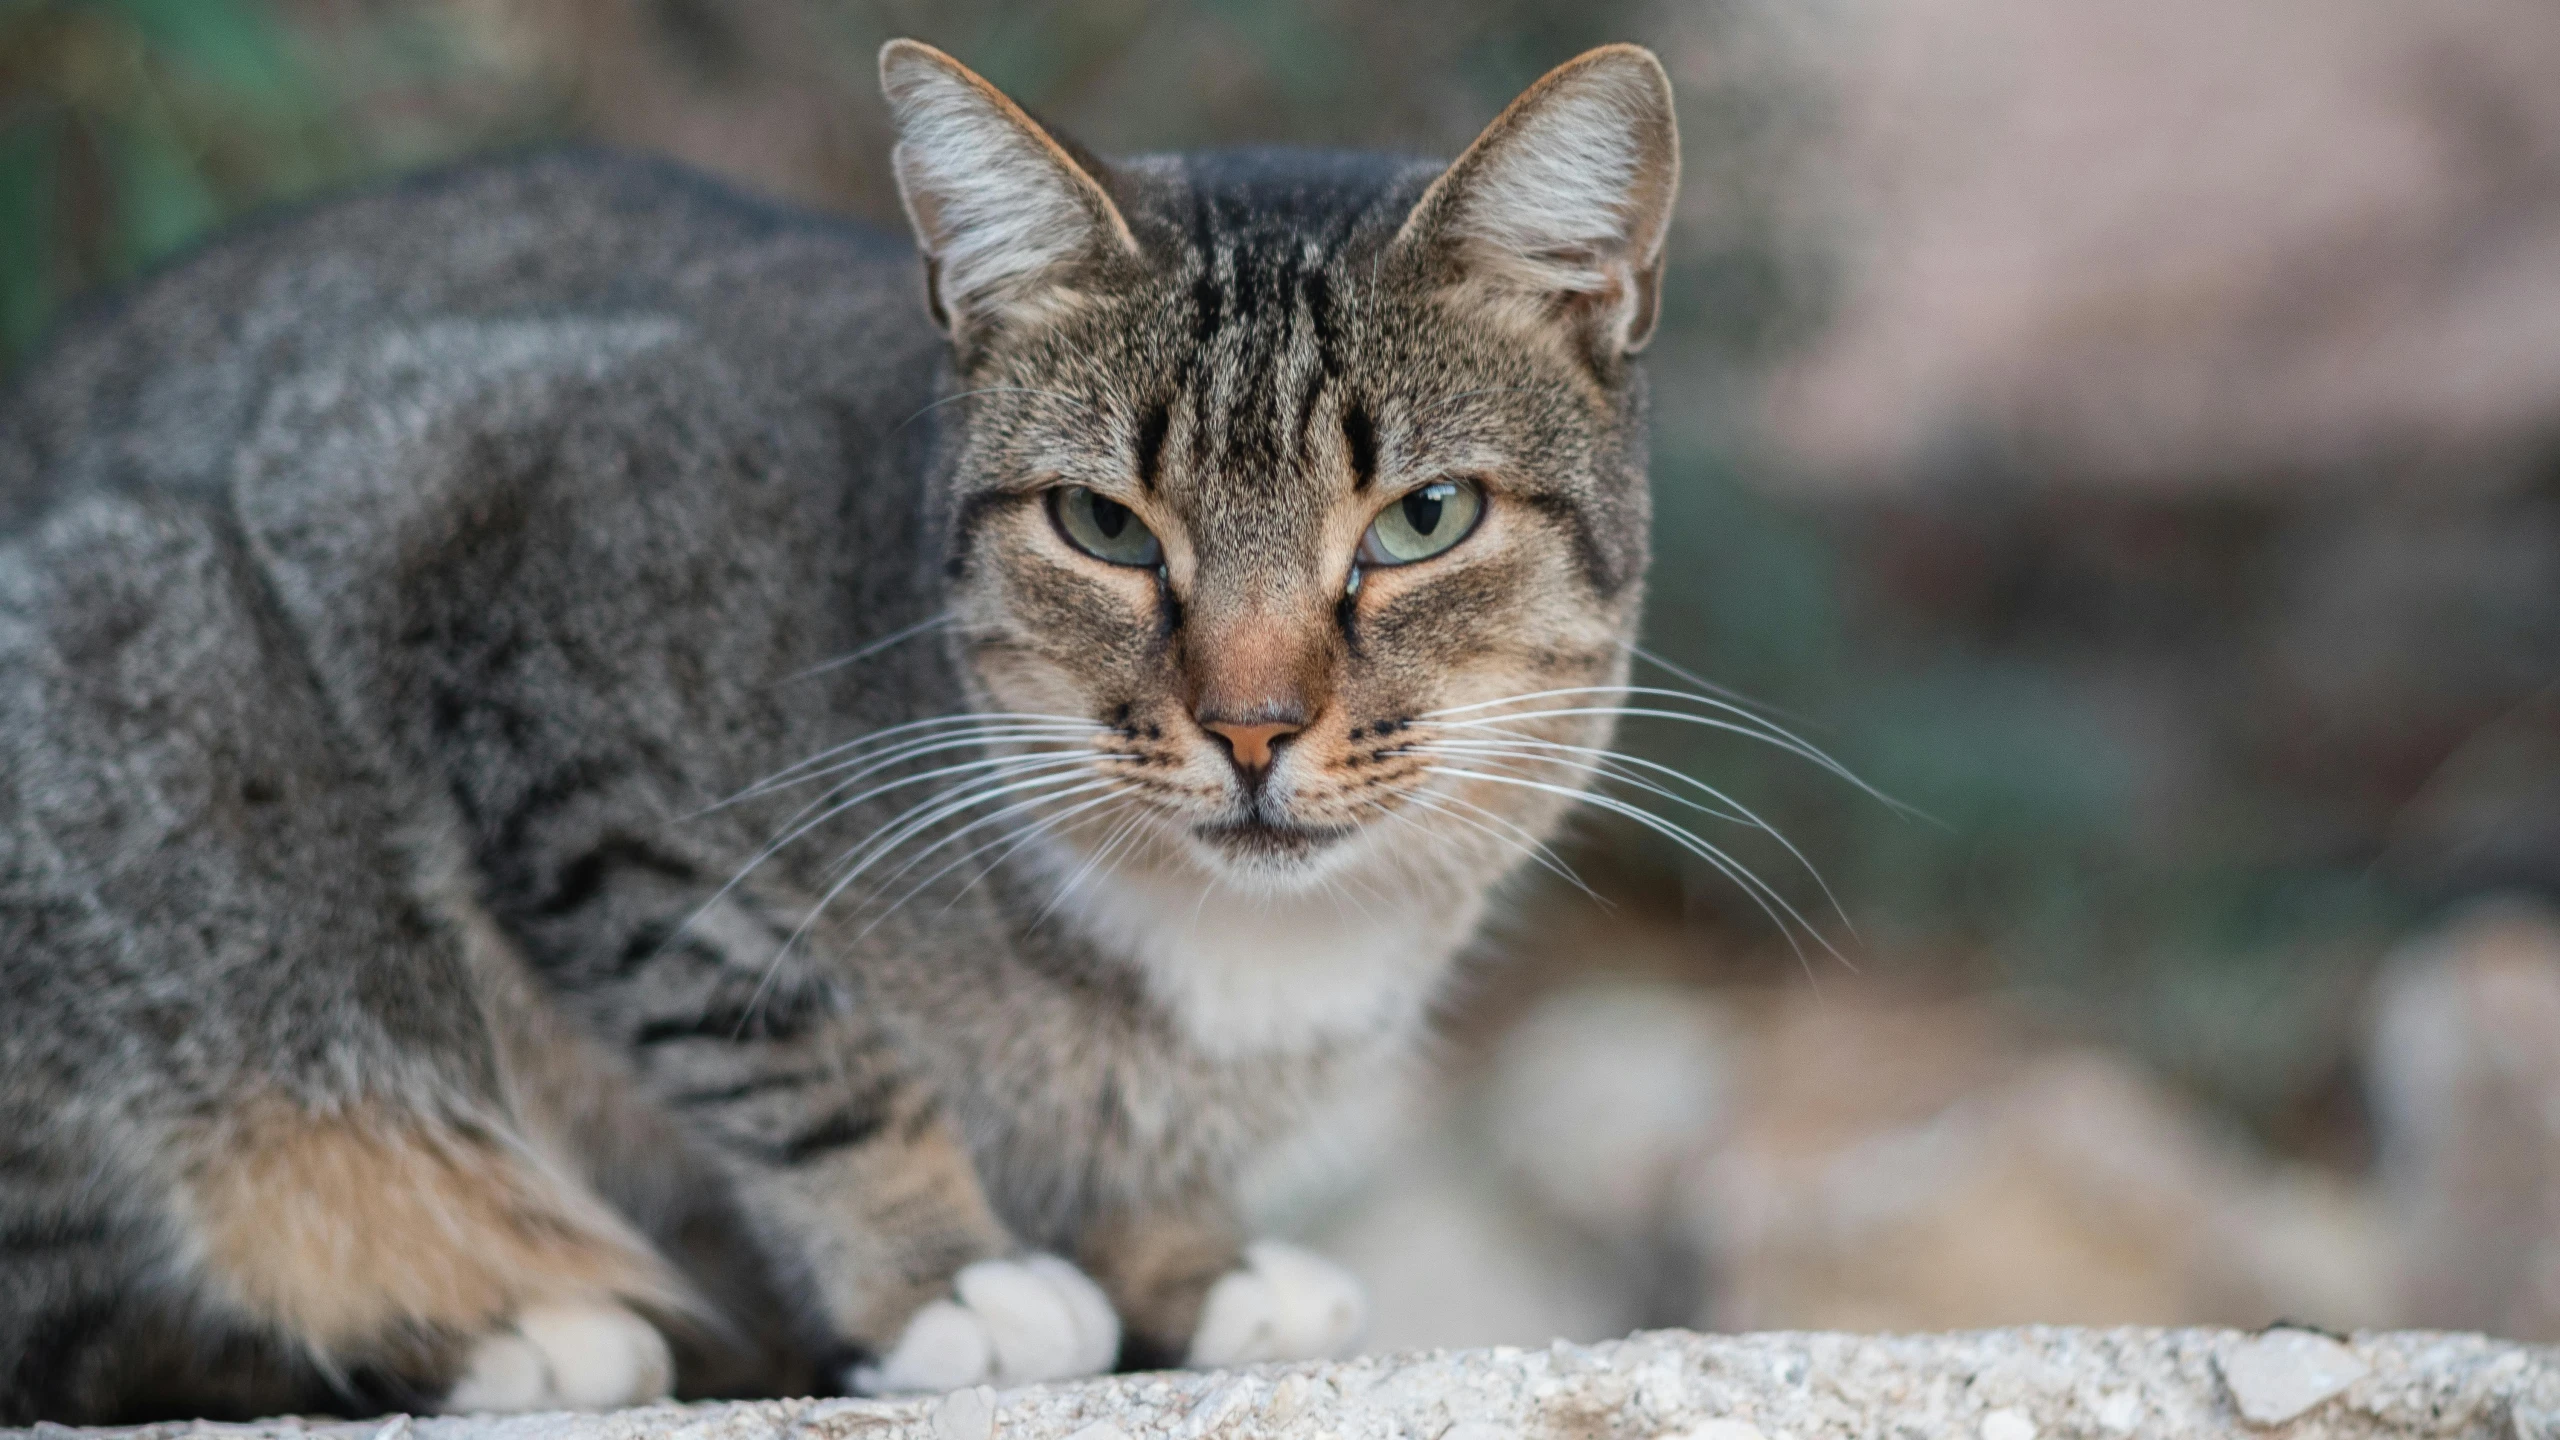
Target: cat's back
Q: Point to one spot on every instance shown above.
(152, 389)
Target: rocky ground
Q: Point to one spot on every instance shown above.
(1996, 1385)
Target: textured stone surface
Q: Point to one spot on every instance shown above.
(2284, 1373)
(1999, 1384)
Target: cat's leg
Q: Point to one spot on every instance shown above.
(853, 1182)
(1193, 1292)
(864, 1196)
(257, 1147)
(443, 1251)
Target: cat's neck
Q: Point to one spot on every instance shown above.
(1246, 972)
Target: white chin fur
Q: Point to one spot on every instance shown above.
(1250, 967)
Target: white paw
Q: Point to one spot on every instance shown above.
(577, 1356)
(1283, 1303)
(1010, 1322)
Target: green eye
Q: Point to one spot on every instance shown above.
(1423, 524)
(1104, 528)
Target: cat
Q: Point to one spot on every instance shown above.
(601, 797)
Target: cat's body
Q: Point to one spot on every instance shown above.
(389, 1011)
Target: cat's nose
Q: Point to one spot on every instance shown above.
(1250, 745)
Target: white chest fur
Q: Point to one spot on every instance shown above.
(1249, 973)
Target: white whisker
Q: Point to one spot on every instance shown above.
(1101, 854)
(827, 899)
(827, 809)
(857, 656)
(977, 790)
(1077, 400)
(1018, 837)
(1608, 766)
(1767, 732)
(973, 721)
(1523, 838)
(1725, 692)
(861, 856)
(850, 773)
(1761, 892)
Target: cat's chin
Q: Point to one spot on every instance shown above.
(1271, 852)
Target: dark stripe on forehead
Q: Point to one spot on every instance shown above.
(1361, 438)
(1306, 420)
(1208, 309)
(1267, 308)
(1319, 297)
(1316, 295)
(1151, 429)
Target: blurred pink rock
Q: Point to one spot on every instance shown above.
(1934, 1166)
(2182, 242)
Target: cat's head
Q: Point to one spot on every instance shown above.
(1274, 463)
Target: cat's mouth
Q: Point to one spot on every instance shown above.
(1258, 838)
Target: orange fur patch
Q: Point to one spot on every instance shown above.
(344, 1228)
(1158, 1268)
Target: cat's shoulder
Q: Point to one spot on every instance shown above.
(562, 221)
(159, 380)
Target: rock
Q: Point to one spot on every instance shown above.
(1721, 1430)
(965, 1415)
(1663, 1385)
(1647, 1153)
(2283, 1373)
(1890, 1166)
(2465, 1070)
(2007, 1425)
(2293, 260)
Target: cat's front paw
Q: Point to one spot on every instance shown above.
(1008, 1322)
(578, 1356)
(1283, 1303)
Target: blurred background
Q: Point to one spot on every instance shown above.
(2129, 435)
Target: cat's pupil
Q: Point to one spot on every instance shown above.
(1422, 508)
(1110, 517)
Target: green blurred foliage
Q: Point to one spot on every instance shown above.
(128, 127)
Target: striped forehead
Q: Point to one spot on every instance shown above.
(1265, 403)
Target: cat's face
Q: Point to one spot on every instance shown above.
(1296, 474)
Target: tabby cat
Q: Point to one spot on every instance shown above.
(598, 798)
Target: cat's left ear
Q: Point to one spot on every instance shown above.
(1558, 211)
(1010, 220)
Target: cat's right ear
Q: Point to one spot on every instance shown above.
(1009, 220)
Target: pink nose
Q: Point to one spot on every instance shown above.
(1250, 744)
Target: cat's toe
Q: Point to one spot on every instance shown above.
(1283, 1303)
(503, 1373)
(1091, 1323)
(945, 1347)
(601, 1357)
(1012, 1322)
(578, 1356)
